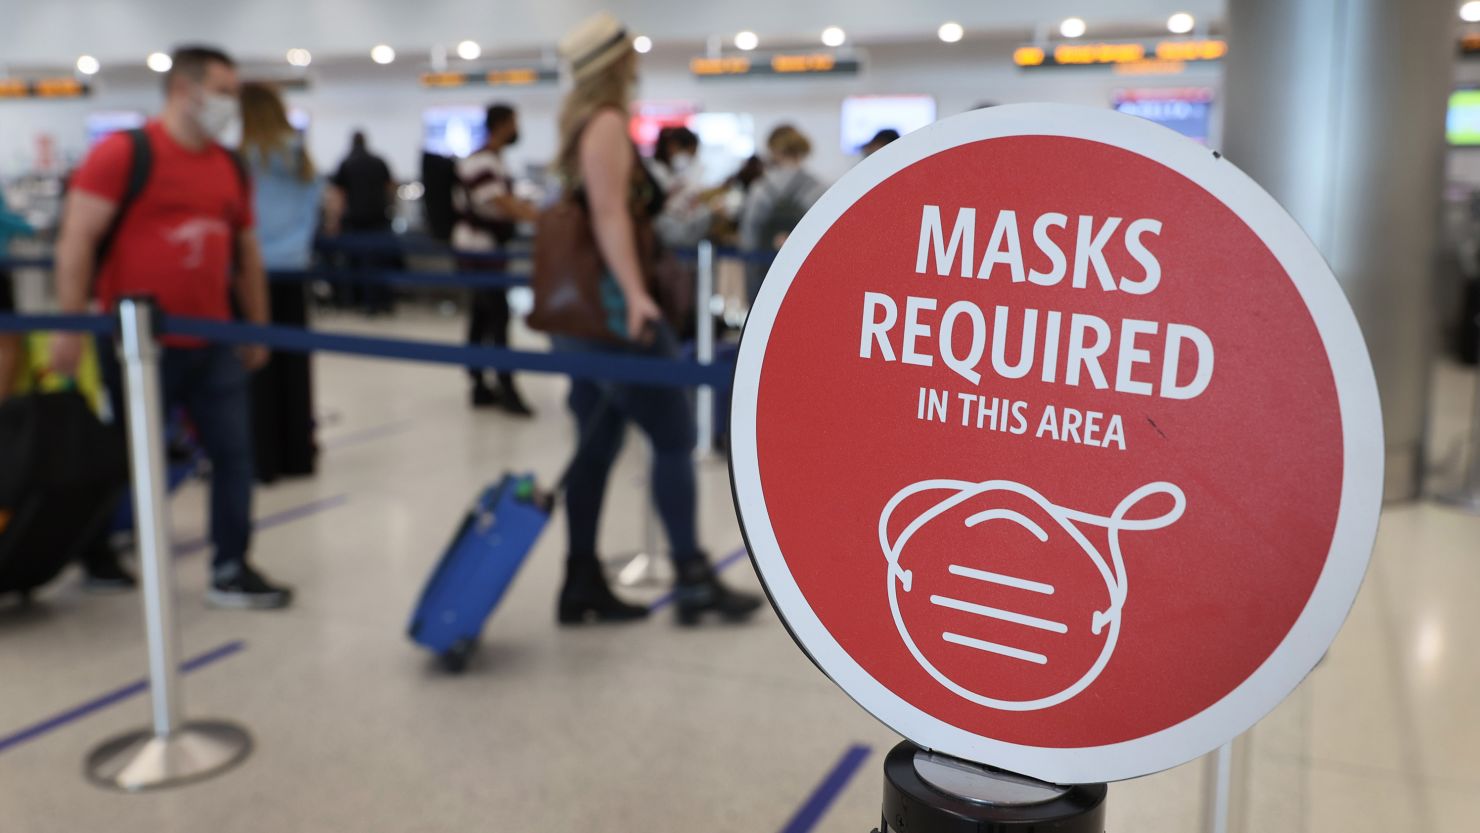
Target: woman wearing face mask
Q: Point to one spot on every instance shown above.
(287, 193)
(600, 167)
(686, 217)
(673, 155)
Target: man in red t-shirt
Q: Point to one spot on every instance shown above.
(186, 238)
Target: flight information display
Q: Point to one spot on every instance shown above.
(1187, 110)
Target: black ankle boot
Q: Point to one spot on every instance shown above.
(699, 591)
(509, 398)
(587, 598)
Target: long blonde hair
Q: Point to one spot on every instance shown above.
(266, 130)
(609, 88)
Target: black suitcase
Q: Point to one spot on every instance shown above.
(61, 473)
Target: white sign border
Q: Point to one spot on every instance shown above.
(1356, 389)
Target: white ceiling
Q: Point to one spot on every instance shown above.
(51, 33)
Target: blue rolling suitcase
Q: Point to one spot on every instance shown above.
(478, 566)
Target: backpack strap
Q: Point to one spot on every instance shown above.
(141, 160)
(243, 175)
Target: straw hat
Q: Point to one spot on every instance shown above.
(595, 45)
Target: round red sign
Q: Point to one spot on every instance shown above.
(1056, 443)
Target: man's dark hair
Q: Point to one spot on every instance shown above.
(193, 61)
(884, 137)
(498, 116)
(357, 141)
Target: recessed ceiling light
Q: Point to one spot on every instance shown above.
(469, 50)
(88, 65)
(951, 32)
(833, 36)
(1470, 12)
(747, 41)
(299, 57)
(1072, 27)
(1180, 23)
(159, 62)
(382, 54)
(643, 44)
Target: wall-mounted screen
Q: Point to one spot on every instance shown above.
(1462, 125)
(453, 131)
(726, 140)
(865, 115)
(1187, 110)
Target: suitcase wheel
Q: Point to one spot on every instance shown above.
(455, 659)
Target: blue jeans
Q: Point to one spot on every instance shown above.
(602, 411)
(211, 385)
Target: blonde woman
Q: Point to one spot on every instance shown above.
(286, 194)
(286, 189)
(598, 162)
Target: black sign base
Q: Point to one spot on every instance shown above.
(925, 792)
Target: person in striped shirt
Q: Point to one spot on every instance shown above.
(487, 216)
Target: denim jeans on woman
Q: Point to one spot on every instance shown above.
(602, 411)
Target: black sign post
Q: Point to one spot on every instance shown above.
(926, 792)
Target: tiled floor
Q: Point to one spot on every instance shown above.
(646, 727)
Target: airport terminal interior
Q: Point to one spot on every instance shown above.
(368, 472)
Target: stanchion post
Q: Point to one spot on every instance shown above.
(1217, 782)
(1225, 787)
(1466, 495)
(151, 512)
(171, 751)
(704, 347)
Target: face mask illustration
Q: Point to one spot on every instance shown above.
(1002, 596)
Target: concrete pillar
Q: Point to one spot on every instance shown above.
(1337, 108)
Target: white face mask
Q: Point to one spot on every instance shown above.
(218, 115)
(681, 162)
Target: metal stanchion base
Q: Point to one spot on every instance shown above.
(639, 569)
(925, 792)
(141, 760)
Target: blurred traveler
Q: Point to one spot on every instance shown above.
(487, 216)
(601, 168)
(775, 204)
(10, 343)
(368, 187)
(731, 202)
(367, 192)
(687, 216)
(287, 194)
(23, 360)
(286, 189)
(673, 155)
(882, 138)
(749, 174)
(167, 212)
